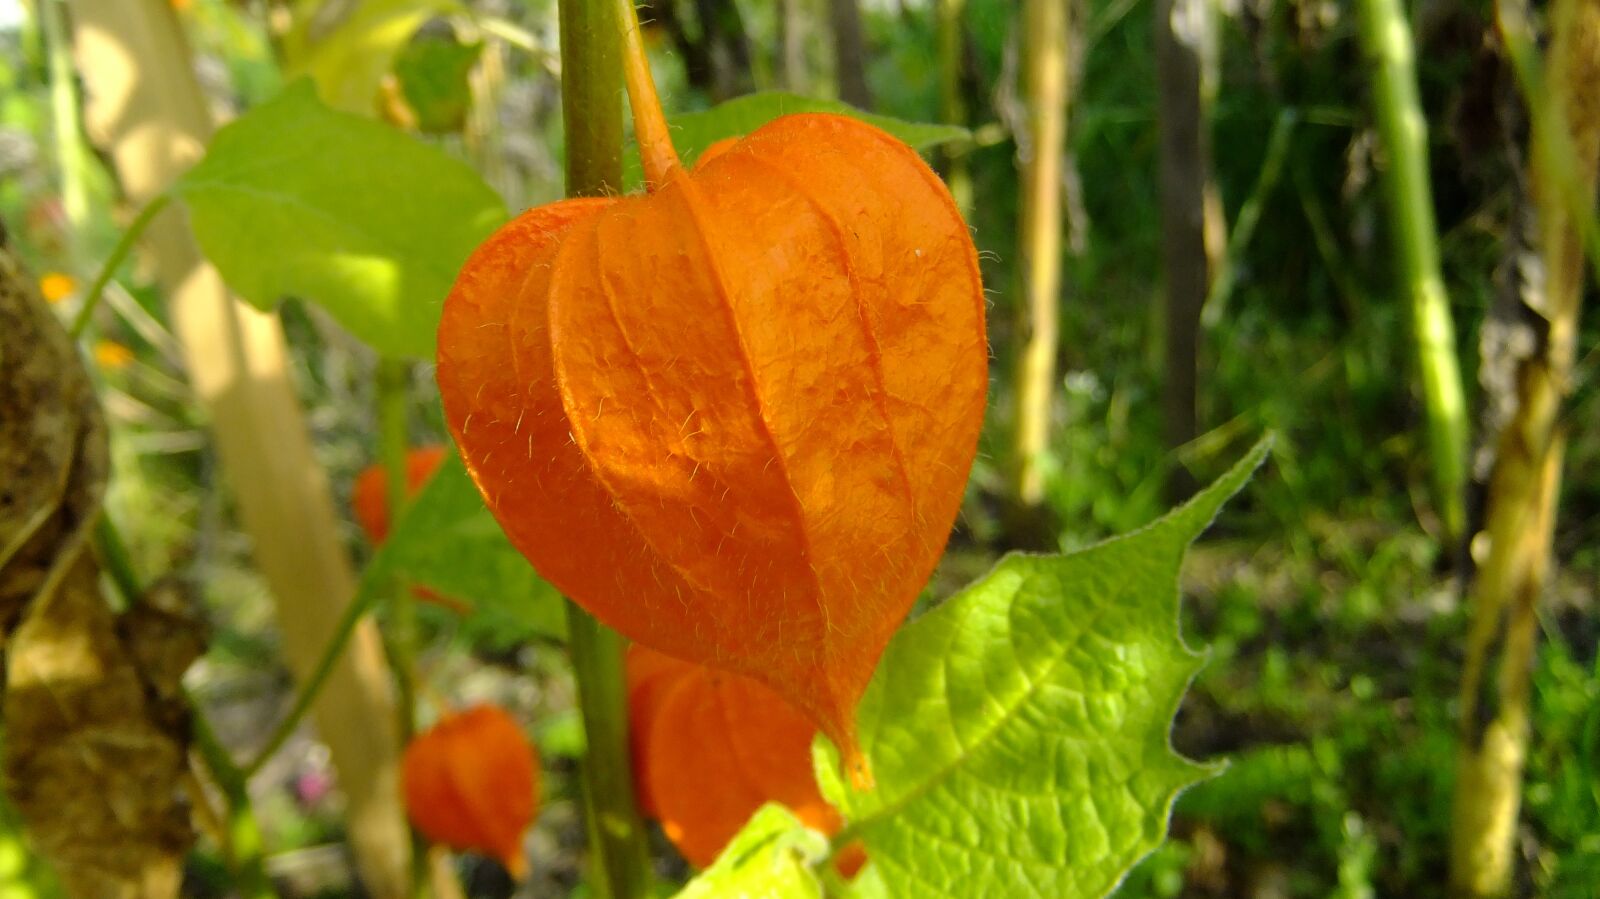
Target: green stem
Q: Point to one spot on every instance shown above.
(394, 377)
(591, 95)
(71, 154)
(364, 598)
(114, 261)
(116, 561)
(1244, 228)
(952, 105)
(1386, 40)
(621, 868)
(353, 614)
(246, 855)
(246, 852)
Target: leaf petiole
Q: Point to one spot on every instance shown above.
(120, 252)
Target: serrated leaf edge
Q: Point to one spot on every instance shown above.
(1193, 517)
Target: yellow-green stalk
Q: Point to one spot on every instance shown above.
(1386, 41)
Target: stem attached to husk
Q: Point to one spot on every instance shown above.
(596, 36)
(620, 864)
(656, 152)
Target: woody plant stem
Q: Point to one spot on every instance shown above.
(1514, 554)
(599, 38)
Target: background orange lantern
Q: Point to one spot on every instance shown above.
(471, 782)
(369, 497)
(710, 748)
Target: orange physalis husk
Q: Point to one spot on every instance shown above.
(733, 417)
(471, 782)
(710, 748)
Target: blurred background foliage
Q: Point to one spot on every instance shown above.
(1325, 593)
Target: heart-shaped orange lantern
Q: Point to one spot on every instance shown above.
(472, 782)
(732, 417)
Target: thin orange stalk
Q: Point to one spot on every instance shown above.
(656, 152)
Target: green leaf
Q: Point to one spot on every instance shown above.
(349, 59)
(434, 73)
(693, 132)
(1018, 733)
(295, 199)
(771, 858)
(448, 542)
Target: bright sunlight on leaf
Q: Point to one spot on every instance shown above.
(296, 200)
(1018, 733)
(771, 858)
(349, 62)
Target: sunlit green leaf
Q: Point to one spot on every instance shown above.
(349, 58)
(771, 858)
(1019, 732)
(434, 76)
(296, 200)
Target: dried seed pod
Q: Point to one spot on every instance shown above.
(710, 748)
(369, 497)
(732, 418)
(472, 782)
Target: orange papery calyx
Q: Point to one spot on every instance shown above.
(711, 747)
(732, 417)
(471, 782)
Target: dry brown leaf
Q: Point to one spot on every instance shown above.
(95, 732)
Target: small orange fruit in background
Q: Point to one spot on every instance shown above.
(369, 498)
(471, 782)
(710, 748)
(732, 418)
